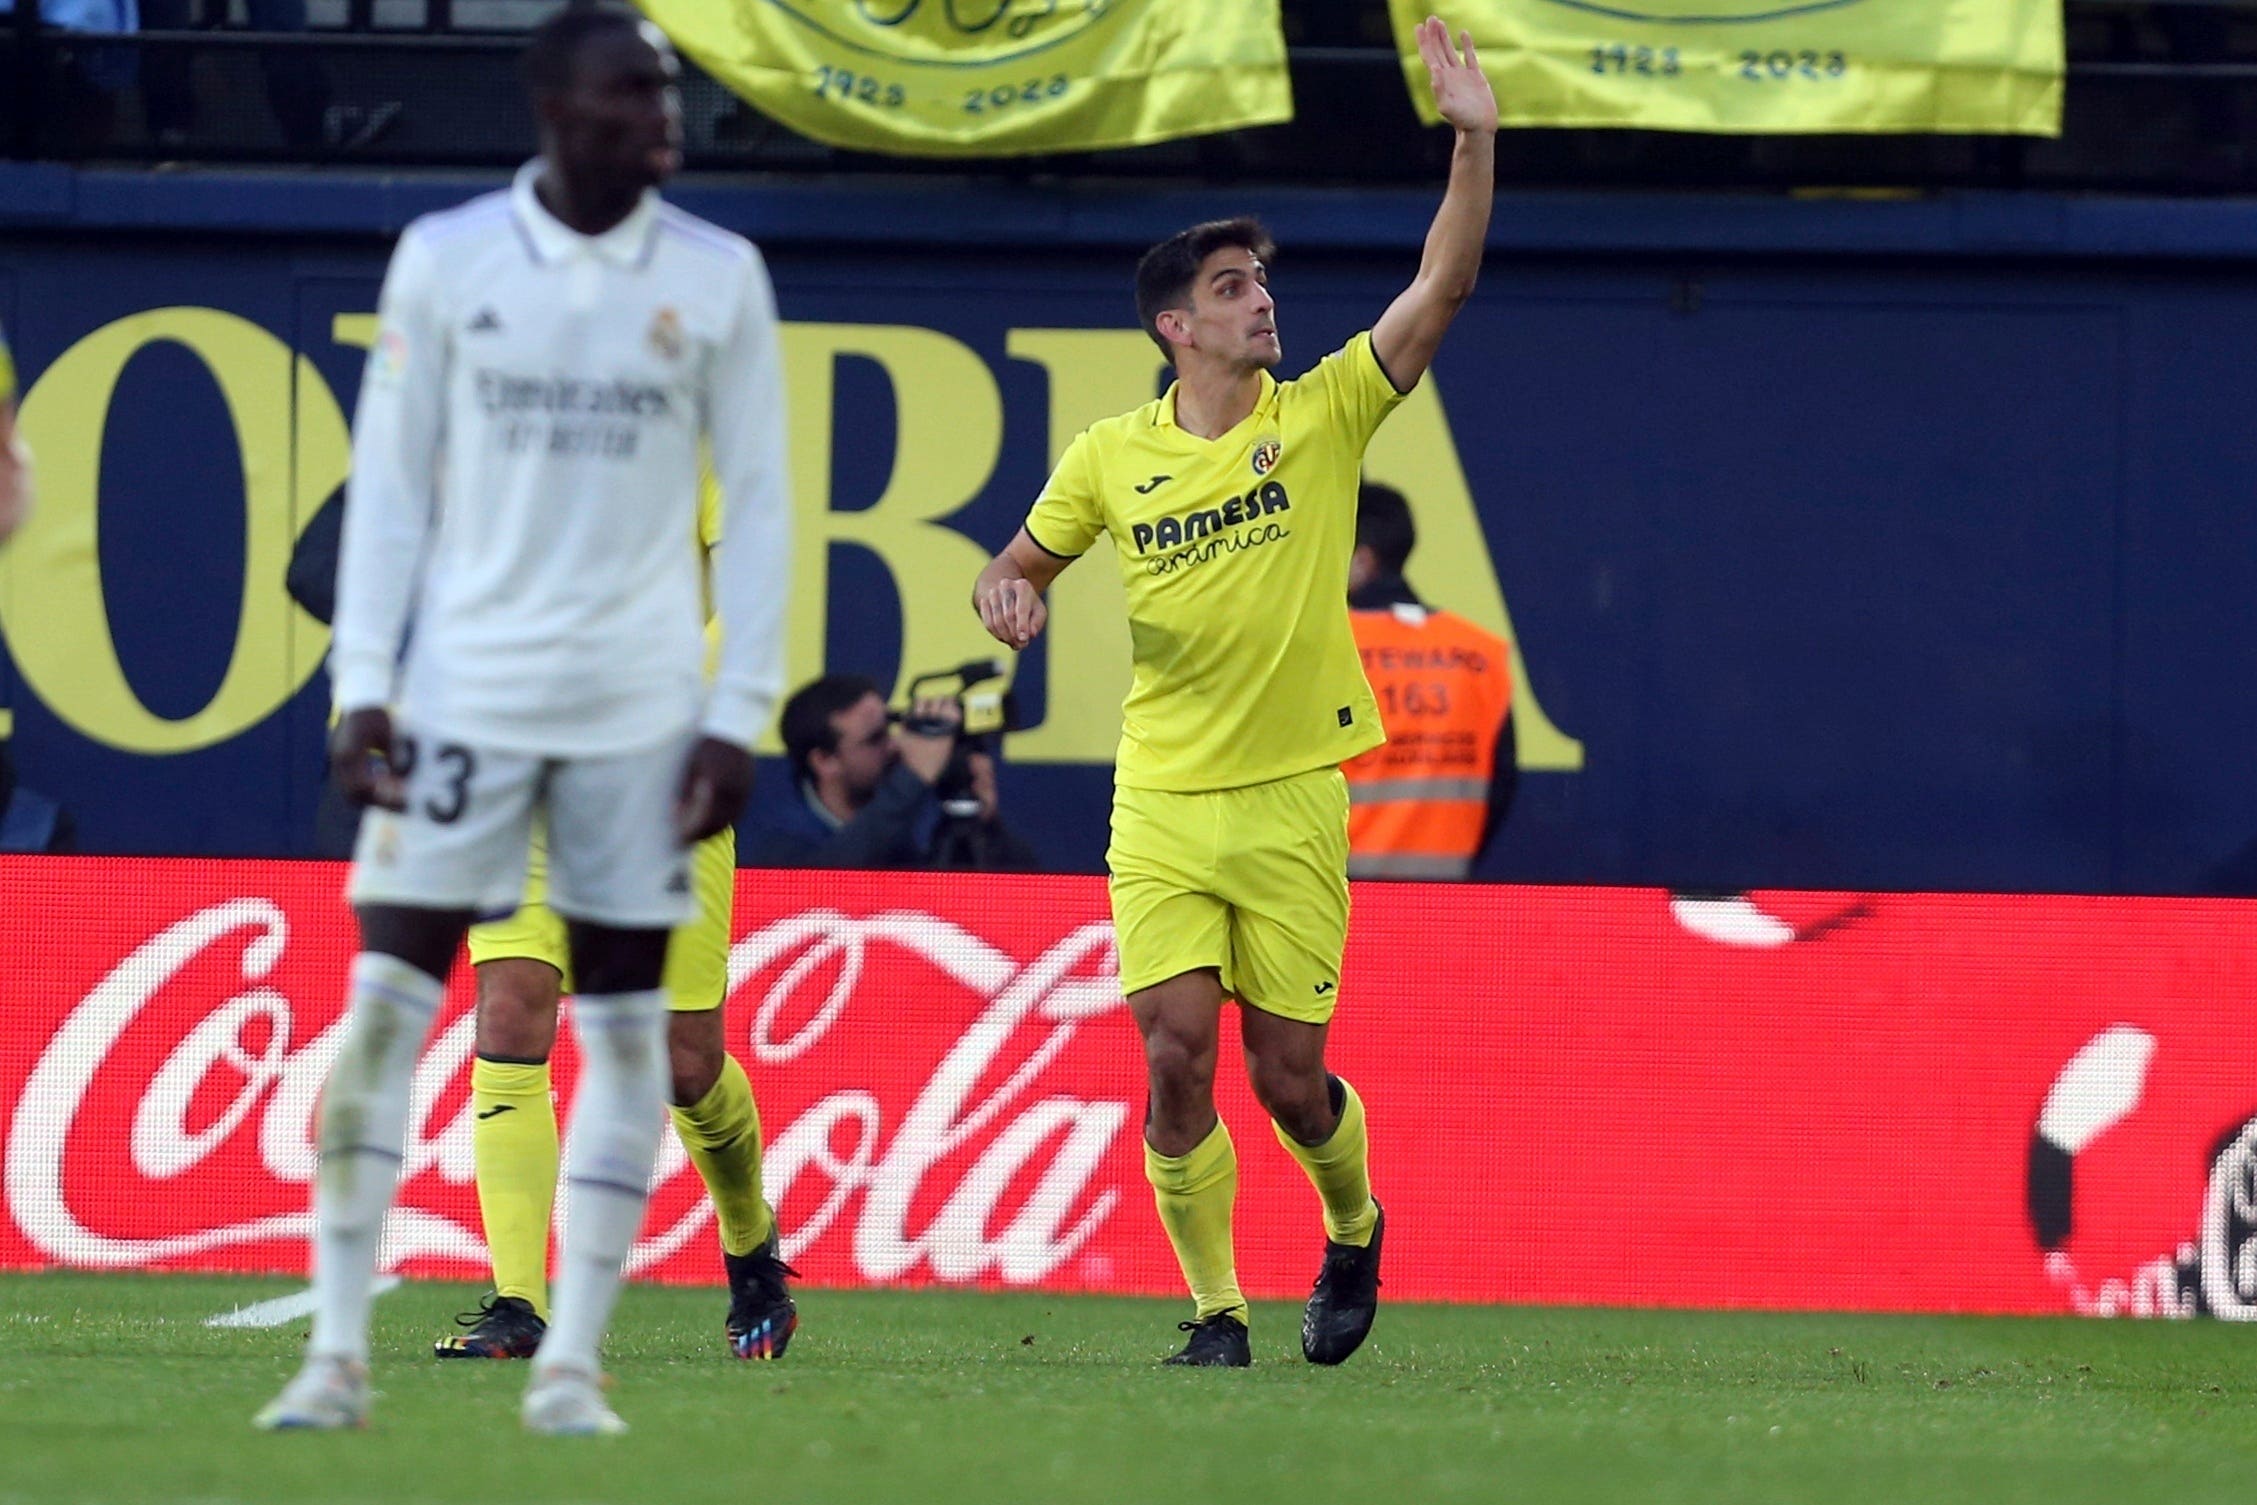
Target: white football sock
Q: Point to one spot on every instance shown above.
(616, 1125)
(364, 1110)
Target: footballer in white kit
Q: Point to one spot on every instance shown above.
(558, 642)
(520, 632)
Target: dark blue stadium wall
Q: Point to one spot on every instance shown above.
(1847, 545)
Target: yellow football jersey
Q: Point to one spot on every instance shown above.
(7, 370)
(1235, 553)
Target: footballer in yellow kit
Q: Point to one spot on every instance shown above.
(1230, 814)
(523, 965)
(1230, 504)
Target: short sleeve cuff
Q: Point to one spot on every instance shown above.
(738, 718)
(361, 683)
(1038, 543)
(1380, 366)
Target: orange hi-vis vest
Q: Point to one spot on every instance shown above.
(1417, 806)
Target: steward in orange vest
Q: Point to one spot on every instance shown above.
(1426, 804)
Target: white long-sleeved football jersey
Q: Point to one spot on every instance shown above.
(525, 482)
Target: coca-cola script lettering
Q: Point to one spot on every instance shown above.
(1581, 1096)
(956, 1153)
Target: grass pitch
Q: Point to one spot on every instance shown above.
(112, 1389)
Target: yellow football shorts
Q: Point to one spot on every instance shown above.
(1252, 882)
(697, 957)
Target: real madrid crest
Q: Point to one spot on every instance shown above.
(666, 334)
(1266, 454)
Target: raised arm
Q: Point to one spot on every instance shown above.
(1407, 335)
(1008, 594)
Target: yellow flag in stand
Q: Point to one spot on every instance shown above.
(1769, 67)
(986, 78)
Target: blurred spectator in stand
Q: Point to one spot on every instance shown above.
(94, 73)
(1428, 803)
(91, 16)
(298, 87)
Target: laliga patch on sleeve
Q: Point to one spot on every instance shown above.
(388, 358)
(1347, 717)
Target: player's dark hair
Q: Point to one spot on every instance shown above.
(1165, 275)
(1384, 526)
(806, 722)
(555, 43)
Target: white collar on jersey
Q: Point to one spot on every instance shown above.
(624, 244)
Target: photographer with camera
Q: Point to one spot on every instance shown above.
(875, 789)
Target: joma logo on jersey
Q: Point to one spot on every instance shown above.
(1202, 522)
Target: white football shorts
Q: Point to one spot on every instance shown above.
(462, 841)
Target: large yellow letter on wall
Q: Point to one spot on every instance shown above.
(1415, 453)
(52, 605)
(948, 432)
(1094, 374)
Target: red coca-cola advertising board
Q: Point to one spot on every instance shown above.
(1887, 1102)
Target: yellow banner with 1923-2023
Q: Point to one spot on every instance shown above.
(985, 78)
(1960, 67)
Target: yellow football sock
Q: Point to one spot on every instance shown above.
(1195, 1193)
(1340, 1169)
(721, 1130)
(513, 1145)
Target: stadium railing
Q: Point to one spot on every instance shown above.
(2162, 99)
